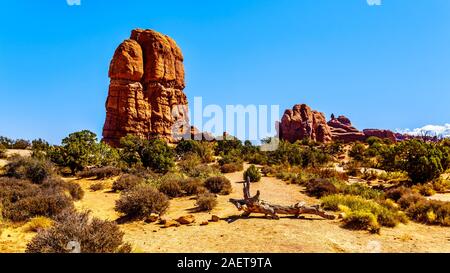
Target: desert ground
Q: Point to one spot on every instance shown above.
(255, 234)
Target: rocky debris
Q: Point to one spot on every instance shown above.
(215, 218)
(171, 223)
(145, 96)
(384, 134)
(151, 219)
(303, 123)
(186, 220)
(204, 223)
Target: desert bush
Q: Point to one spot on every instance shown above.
(171, 187)
(72, 188)
(100, 173)
(6, 142)
(362, 191)
(2, 151)
(92, 236)
(430, 212)
(189, 164)
(257, 158)
(204, 150)
(218, 184)
(79, 150)
(127, 182)
(360, 220)
(268, 171)
(228, 144)
(441, 185)
(38, 223)
(46, 203)
(130, 152)
(397, 193)
(358, 152)
(192, 186)
(157, 155)
(424, 189)
(252, 174)
(353, 168)
(21, 144)
(206, 202)
(141, 201)
(97, 187)
(423, 161)
(386, 216)
(321, 187)
(232, 167)
(393, 176)
(39, 148)
(29, 168)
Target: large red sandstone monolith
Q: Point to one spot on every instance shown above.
(146, 95)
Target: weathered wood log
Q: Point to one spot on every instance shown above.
(254, 205)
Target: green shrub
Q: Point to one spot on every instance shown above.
(38, 223)
(362, 191)
(100, 173)
(21, 144)
(158, 156)
(29, 168)
(91, 235)
(361, 220)
(357, 152)
(46, 203)
(79, 150)
(97, 187)
(423, 161)
(2, 151)
(206, 202)
(252, 174)
(232, 167)
(218, 184)
(127, 182)
(424, 189)
(192, 186)
(430, 212)
(386, 216)
(204, 150)
(171, 188)
(40, 148)
(141, 201)
(189, 164)
(321, 187)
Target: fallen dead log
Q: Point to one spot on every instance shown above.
(254, 205)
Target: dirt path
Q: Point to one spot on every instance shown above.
(258, 234)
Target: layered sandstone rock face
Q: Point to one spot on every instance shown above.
(303, 123)
(146, 95)
(343, 130)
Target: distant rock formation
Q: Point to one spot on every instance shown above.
(146, 95)
(303, 123)
(342, 130)
(384, 134)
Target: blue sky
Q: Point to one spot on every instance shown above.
(384, 66)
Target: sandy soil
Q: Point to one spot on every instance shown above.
(255, 234)
(11, 152)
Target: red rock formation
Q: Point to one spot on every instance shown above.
(301, 122)
(146, 90)
(342, 130)
(384, 134)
